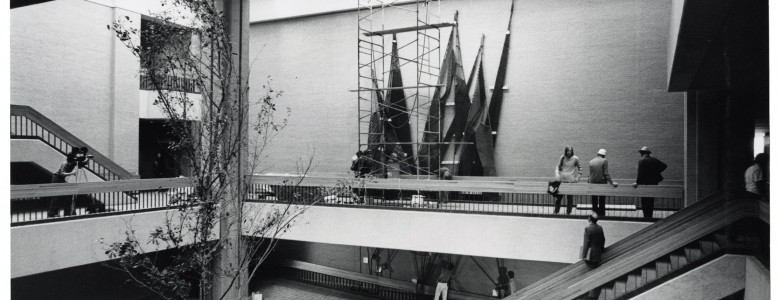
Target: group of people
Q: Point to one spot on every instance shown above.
(568, 170)
(506, 282)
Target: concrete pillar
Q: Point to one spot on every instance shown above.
(739, 115)
(231, 278)
(737, 139)
(691, 149)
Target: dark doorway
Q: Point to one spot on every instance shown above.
(156, 159)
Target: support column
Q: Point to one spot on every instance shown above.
(231, 278)
(691, 150)
(739, 117)
(737, 139)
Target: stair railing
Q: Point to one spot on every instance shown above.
(643, 247)
(26, 122)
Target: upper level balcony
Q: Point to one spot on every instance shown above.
(463, 216)
(171, 83)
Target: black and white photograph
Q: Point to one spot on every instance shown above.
(388, 149)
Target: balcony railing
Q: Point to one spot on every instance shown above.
(29, 203)
(470, 196)
(171, 83)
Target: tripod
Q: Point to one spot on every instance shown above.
(81, 176)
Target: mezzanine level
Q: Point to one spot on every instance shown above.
(520, 219)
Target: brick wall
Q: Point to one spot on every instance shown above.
(587, 74)
(68, 66)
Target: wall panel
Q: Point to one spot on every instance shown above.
(588, 74)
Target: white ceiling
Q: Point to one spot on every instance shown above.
(260, 10)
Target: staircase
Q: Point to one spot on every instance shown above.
(27, 123)
(653, 255)
(360, 283)
(666, 267)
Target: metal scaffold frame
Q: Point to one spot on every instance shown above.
(374, 53)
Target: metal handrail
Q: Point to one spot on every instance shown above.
(28, 122)
(30, 203)
(644, 246)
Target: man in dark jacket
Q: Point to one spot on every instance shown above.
(593, 242)
(648, 173)
(593, 246)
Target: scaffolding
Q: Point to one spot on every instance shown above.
(414, 29)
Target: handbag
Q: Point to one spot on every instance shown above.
(552, 187)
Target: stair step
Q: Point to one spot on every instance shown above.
(662, 267)
(620, 288)
(648, 275)
(633, 282)
(610, 293)
(693, 253)
(708, 247)
(721, 240)
(678, 260)
(606, 293)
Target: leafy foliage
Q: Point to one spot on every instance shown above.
(190, 40)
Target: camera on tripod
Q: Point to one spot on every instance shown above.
(82, 156)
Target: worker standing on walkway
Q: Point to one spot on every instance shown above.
(443, 281)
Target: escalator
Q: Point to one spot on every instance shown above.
(726, 223)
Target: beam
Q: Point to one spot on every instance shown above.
(407, 29)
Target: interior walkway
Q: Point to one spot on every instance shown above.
(157, 199)
(284, 289)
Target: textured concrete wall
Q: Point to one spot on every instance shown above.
(588, 74)
(757, 285)
(54, 246)
(69, 67)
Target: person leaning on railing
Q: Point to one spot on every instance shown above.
(568, 170)
(599, 174)
(648, 172)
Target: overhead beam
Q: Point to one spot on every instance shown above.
(407, 29)
(695, 25)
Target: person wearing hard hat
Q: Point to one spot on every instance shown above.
(648, 172)
(599, 174)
